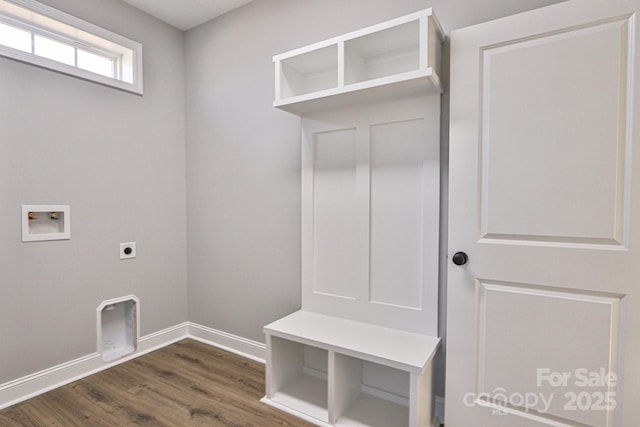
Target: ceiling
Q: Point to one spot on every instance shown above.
(186, 14)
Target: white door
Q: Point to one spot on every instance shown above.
(544, 317)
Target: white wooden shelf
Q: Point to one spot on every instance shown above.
(357, 355)
(393, 59)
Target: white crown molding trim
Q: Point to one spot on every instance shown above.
(32, 385)
(244, 347)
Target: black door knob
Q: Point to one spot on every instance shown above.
(460, 258)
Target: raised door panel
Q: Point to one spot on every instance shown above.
(397, 163)
(334, 213)
(569, 160)
(571, 342)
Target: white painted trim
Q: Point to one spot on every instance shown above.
(21, 13)
(37, 383)
(241, 346)
(437, 421)
(439, 409)
(32, 385)
(359, 33)
(315, 373)
(385, 395)
(293, 412)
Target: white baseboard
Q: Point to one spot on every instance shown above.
(32, 385)
(37, 383)
(241, 346)
(439, 408)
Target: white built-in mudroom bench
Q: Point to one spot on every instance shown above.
(360, 351)
(335, 392)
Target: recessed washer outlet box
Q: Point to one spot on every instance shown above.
(118, 327)
(127, 250)
(45, 222)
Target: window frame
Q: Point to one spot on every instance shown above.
(80, 35)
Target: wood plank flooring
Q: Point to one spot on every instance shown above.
(184, 384)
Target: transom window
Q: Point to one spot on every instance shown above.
(38, 34)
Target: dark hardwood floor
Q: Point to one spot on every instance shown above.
(184, 384)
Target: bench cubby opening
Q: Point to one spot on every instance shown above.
(298, 377)
(370, 394)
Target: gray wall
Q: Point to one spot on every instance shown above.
(243, 156)
(119, 160)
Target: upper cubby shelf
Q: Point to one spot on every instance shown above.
(392, 59)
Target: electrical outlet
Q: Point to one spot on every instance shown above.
(127, 250)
